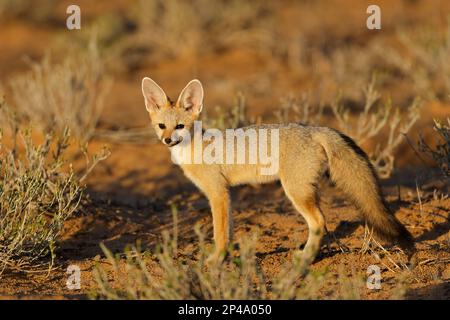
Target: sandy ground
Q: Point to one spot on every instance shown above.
(133, 203)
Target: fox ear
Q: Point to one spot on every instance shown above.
(191, 97)
(155, 97)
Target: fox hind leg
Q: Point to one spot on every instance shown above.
(304, 197)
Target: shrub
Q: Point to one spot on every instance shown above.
(441, 153)
(36, 197)
(373, 121)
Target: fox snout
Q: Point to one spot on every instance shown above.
(172, 140)
(167, 137)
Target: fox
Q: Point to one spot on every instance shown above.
(305, 154)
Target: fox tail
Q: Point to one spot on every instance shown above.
(352, 172)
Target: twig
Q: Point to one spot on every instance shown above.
(414, 149)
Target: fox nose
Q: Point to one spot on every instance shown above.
(167, 140)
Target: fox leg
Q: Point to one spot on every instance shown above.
(222, 223)
(304, 197)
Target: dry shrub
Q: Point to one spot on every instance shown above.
(375, 119)
(441, 153)
(36, 196)
(237, 277)
(234, 116)
(70, 94)
(299, 110)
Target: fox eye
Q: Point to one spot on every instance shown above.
(161, 125)
(179, 126)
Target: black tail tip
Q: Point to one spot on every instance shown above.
(403, 238)
(397, 234)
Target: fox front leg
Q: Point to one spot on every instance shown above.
(222, 223)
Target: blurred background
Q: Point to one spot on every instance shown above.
(280, 60)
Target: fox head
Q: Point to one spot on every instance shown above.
(168, 118)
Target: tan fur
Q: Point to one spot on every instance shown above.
(305, 153)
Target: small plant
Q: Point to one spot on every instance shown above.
(441, 153)
(35, 200)
(37, 195)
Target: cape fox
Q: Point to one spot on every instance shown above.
(305, 153)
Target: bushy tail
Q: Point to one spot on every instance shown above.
(352, 172)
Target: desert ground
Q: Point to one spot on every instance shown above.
(273, 55)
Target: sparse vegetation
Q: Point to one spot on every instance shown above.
(70, 94)
(165, 25)
(44, 10)
(236, 277)
(37, 195)
(423, 59)
(441, 153)
(233, 117)
(373, 122)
